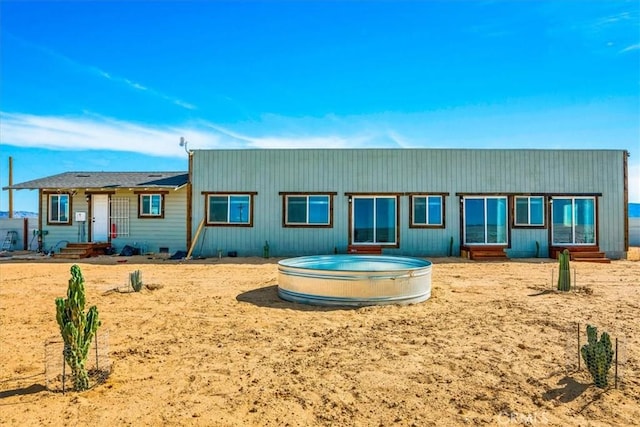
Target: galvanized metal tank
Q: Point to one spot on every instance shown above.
(354, 280)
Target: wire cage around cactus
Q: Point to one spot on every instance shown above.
(58, 375)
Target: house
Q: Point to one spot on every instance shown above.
(414, 202)
(479, 203)
(145, 210)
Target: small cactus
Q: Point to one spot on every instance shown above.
(77, 328)
(135, 280)
(564, 276)
(597, 355)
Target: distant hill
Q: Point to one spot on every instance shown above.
(634, 210)
(19, 214)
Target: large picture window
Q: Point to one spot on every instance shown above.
(307, 210)
(230, 209)
(150, 205)
(59, 209)
(529, 211)
(485, 220)
(573, 220)
(426, 211)
(374, 220)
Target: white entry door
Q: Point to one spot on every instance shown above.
(100, 218)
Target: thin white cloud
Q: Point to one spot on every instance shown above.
(631, 48)
(98, 133)
(96, 71)
(293, 141)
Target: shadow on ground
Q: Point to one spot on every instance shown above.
(32, 389)
(570, 390)
(268, 297)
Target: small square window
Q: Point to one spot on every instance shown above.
(151, 206)
(229, 209)
(307, 210)
(529, 211)
(427, 211)
(59, 208)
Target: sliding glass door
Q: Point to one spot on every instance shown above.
(374, 220)
(485, 220)
(573, 221)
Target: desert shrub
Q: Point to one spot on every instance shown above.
(77, 328)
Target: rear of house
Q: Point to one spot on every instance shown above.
(414, 202)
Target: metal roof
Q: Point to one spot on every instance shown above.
(105, 180)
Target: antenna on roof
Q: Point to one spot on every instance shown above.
(183, 143)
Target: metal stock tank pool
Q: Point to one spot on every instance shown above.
(354, 280)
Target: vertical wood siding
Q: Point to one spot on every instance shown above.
(269, 172)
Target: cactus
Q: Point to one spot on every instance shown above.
(564, 276)
(77, 328)
(597, 355)
(135, 280)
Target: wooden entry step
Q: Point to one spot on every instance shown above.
(484, 253)
(81, 250)
(582, 254)
(364, 249)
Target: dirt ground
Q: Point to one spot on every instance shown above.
(213, 345)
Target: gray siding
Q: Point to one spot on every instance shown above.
(146, 234)
(269, 172)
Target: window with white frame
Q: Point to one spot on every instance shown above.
(59, 208)
(573, 220)
(307, 210)
(426, 211)
(374, 220)
(485, 220)
(151, 205)
(529, 211)
(230, 209)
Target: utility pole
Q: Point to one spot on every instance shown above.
(10, 184)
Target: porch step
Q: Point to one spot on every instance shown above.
(600, 260)
(485, 253)
(589, 257)
(582, 254)
(364, 249)
(81, 250)
(578, 255)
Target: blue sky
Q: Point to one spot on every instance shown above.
(112, 86)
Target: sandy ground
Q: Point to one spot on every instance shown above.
(215, 346)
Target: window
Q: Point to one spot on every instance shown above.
(374, 220)
(485, 220)
(151, 205)
(230, 209)
(529, 211)
(426, 211)
(59, 209)
(573, 220)
(308, 210)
